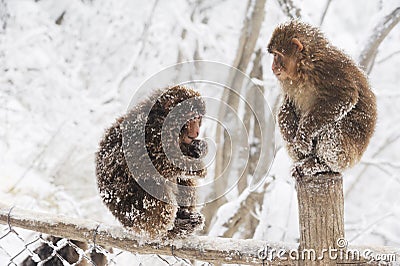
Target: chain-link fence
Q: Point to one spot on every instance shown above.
(35, 238)
(24, 247)
(19, 246)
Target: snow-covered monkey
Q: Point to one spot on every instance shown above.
(147, 163)
(328, 113)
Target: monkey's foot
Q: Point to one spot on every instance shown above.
(186, 223)
(310, 166)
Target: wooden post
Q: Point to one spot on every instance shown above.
(321, 217)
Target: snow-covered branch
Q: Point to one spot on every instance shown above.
(379, 33)
(204, 248)
(221, 250)
(239, 213)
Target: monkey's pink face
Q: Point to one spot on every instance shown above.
(192, 130)
(282, 66)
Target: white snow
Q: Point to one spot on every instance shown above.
(62, 85)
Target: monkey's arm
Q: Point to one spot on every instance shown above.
(197, 149)
(288, 123)
(325, 111)
(288, 120)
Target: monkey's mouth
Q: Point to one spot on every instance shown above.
(188, 139)
(280, 75)
(277, 73)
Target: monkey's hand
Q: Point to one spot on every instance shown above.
(186, 223)
(293, 152)
(288, 120)
(196, 149)
(310, 166)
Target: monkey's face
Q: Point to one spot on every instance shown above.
(286, 49)
(189, 145)
(284, 67)
(191, 129)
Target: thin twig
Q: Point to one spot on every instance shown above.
(388, 57)
(387, 143)
(328, 3)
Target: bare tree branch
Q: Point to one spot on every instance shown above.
(379, 33)
(220, 250)
(244, 218)
(247, 42)
(259, 123)
(211, 249)
(328, 3)
(290, 9)
(388, 57)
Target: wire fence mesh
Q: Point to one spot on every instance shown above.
(27, 248)
(46, 237)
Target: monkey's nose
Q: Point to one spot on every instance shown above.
(196, 134)
(276, 70)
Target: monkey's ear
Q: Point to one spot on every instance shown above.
(296, 42)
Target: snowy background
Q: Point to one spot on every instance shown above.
(63, 83)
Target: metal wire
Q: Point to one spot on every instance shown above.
(20, 247)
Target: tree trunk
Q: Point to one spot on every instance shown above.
(225, 151)
(321, 217)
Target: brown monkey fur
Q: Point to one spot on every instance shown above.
(328, 113)
(132, 158)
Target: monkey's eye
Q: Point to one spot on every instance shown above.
(278, 58)
(197, 119)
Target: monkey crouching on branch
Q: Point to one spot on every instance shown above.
(328, 113)
(147, 162)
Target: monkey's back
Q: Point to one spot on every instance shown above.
(361, 120)
(116, 184)
(357, 126)
(339, 74)
(124, 168)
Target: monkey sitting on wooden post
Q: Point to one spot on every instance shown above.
(328, 113)
(327, 118)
